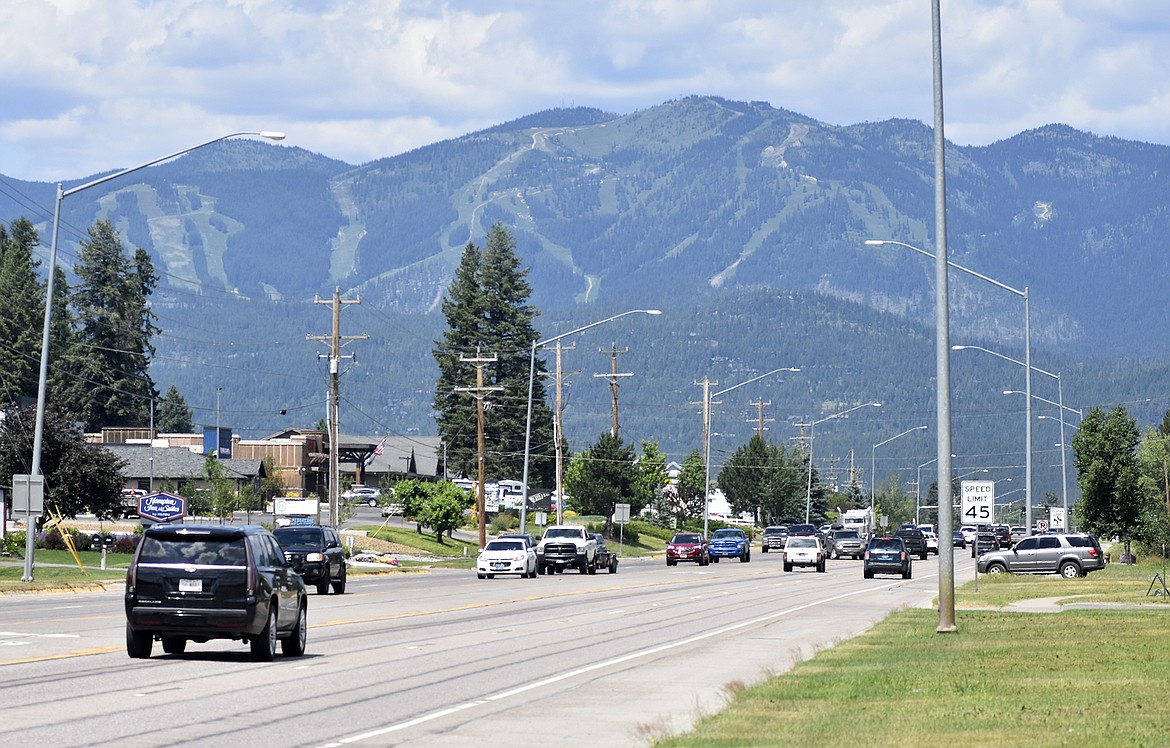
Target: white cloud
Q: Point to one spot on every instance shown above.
(90, 85)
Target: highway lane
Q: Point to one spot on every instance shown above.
(444, 659)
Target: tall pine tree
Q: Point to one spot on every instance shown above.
(115, 330)
(22, 303)
(488, 312)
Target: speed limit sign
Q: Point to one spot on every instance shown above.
(978, 505)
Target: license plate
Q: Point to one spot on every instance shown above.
(499, 566)
(190, 585)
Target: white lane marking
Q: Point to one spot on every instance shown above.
(596, 666)
(41, 636)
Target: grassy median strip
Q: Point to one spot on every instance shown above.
(1097, 677)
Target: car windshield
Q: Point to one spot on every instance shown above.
(802, 542)
(562, 532)
(228, 552)
(680, 539)
(737, 534)
(840, 534)
(504, 545)
(298, 535)
(775, 530)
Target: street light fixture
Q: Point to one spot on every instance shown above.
(1027, 363)
(528, 418)
(1061, 408)
(39, 430)
(707, 438)
(873, 463)
(811, 430)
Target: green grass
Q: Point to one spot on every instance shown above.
(1095, 677)
(425, 543)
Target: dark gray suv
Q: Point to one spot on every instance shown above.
(1069, 555)
(197, 583)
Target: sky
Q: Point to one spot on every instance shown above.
(95, 85)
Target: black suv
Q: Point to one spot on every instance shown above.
(316, 553)
(196, 583)
(886, 554)
(914, 539)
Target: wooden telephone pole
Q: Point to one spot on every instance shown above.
(335, 393)
(760, 420)
(479, 392)
(613, 376)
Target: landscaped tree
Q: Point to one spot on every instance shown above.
(488, 315)
(173, 415)
(692, 489)
(22, 303)
(651, 477)
(222, 495)
(745, 477)
(606, 476)
(115, 328)
(79, 476)
(1154, 465)
(443, 510)
(1112, 500)
(412, 495)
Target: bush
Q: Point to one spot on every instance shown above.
(81, 541)
(14, 543)
(662, 533)
(127, 543)
(503, 522)
(629, 535)
(51, 540)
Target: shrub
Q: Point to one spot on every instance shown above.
(14, 543)
(81, 541)
(127, 543)
(51, 540)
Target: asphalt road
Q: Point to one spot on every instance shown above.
(444, 659)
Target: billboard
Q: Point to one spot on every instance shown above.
(217, 441)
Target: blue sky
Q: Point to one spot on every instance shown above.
(92, 85)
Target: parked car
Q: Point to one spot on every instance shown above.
(931, 541)
(316, 553)
(367, 495)
(1003, 535)
(773, 537)
(846, 543)
(510, 556)
(688, 546)
(1069, 555)
(392, 509)
(730, 542)
(984, 541)
(886, 554)
(958, 539)
(195, 583)
(526, 537)
(914, 539)
(804, 550)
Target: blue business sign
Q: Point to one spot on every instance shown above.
(162, 507)
(217, 441)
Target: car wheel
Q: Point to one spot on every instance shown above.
(323, 585)
(478, 575)
(867, 574)
(294, 644)
(995, 569)
(264, 645)
(1070, 570)
(745, 558)
(173, 645)
(787, 567)
(613, 566)
(592, 568)
(138, 643)
(339, 584)
(373, 502)
(715, 559)
(821, 566)
(490, 576)
(705, 561)
(924, 556)
(907, 574)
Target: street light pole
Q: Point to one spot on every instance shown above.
(873, 464)
(707, 438)
(42, 381)
(532, 376)
(811, 431)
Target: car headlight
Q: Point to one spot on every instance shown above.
(314, 557)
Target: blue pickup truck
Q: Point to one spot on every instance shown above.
(730, 543)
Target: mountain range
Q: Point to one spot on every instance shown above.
(744, 223)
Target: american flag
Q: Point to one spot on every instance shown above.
(377, 451)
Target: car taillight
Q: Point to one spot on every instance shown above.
(1094, 552)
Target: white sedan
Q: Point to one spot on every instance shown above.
(931, 542)
(506, 557)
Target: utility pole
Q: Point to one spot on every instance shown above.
(706, 408)
(760, 420)
(558, 432)
(613, 380)
(335, 391)
(479, 392)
